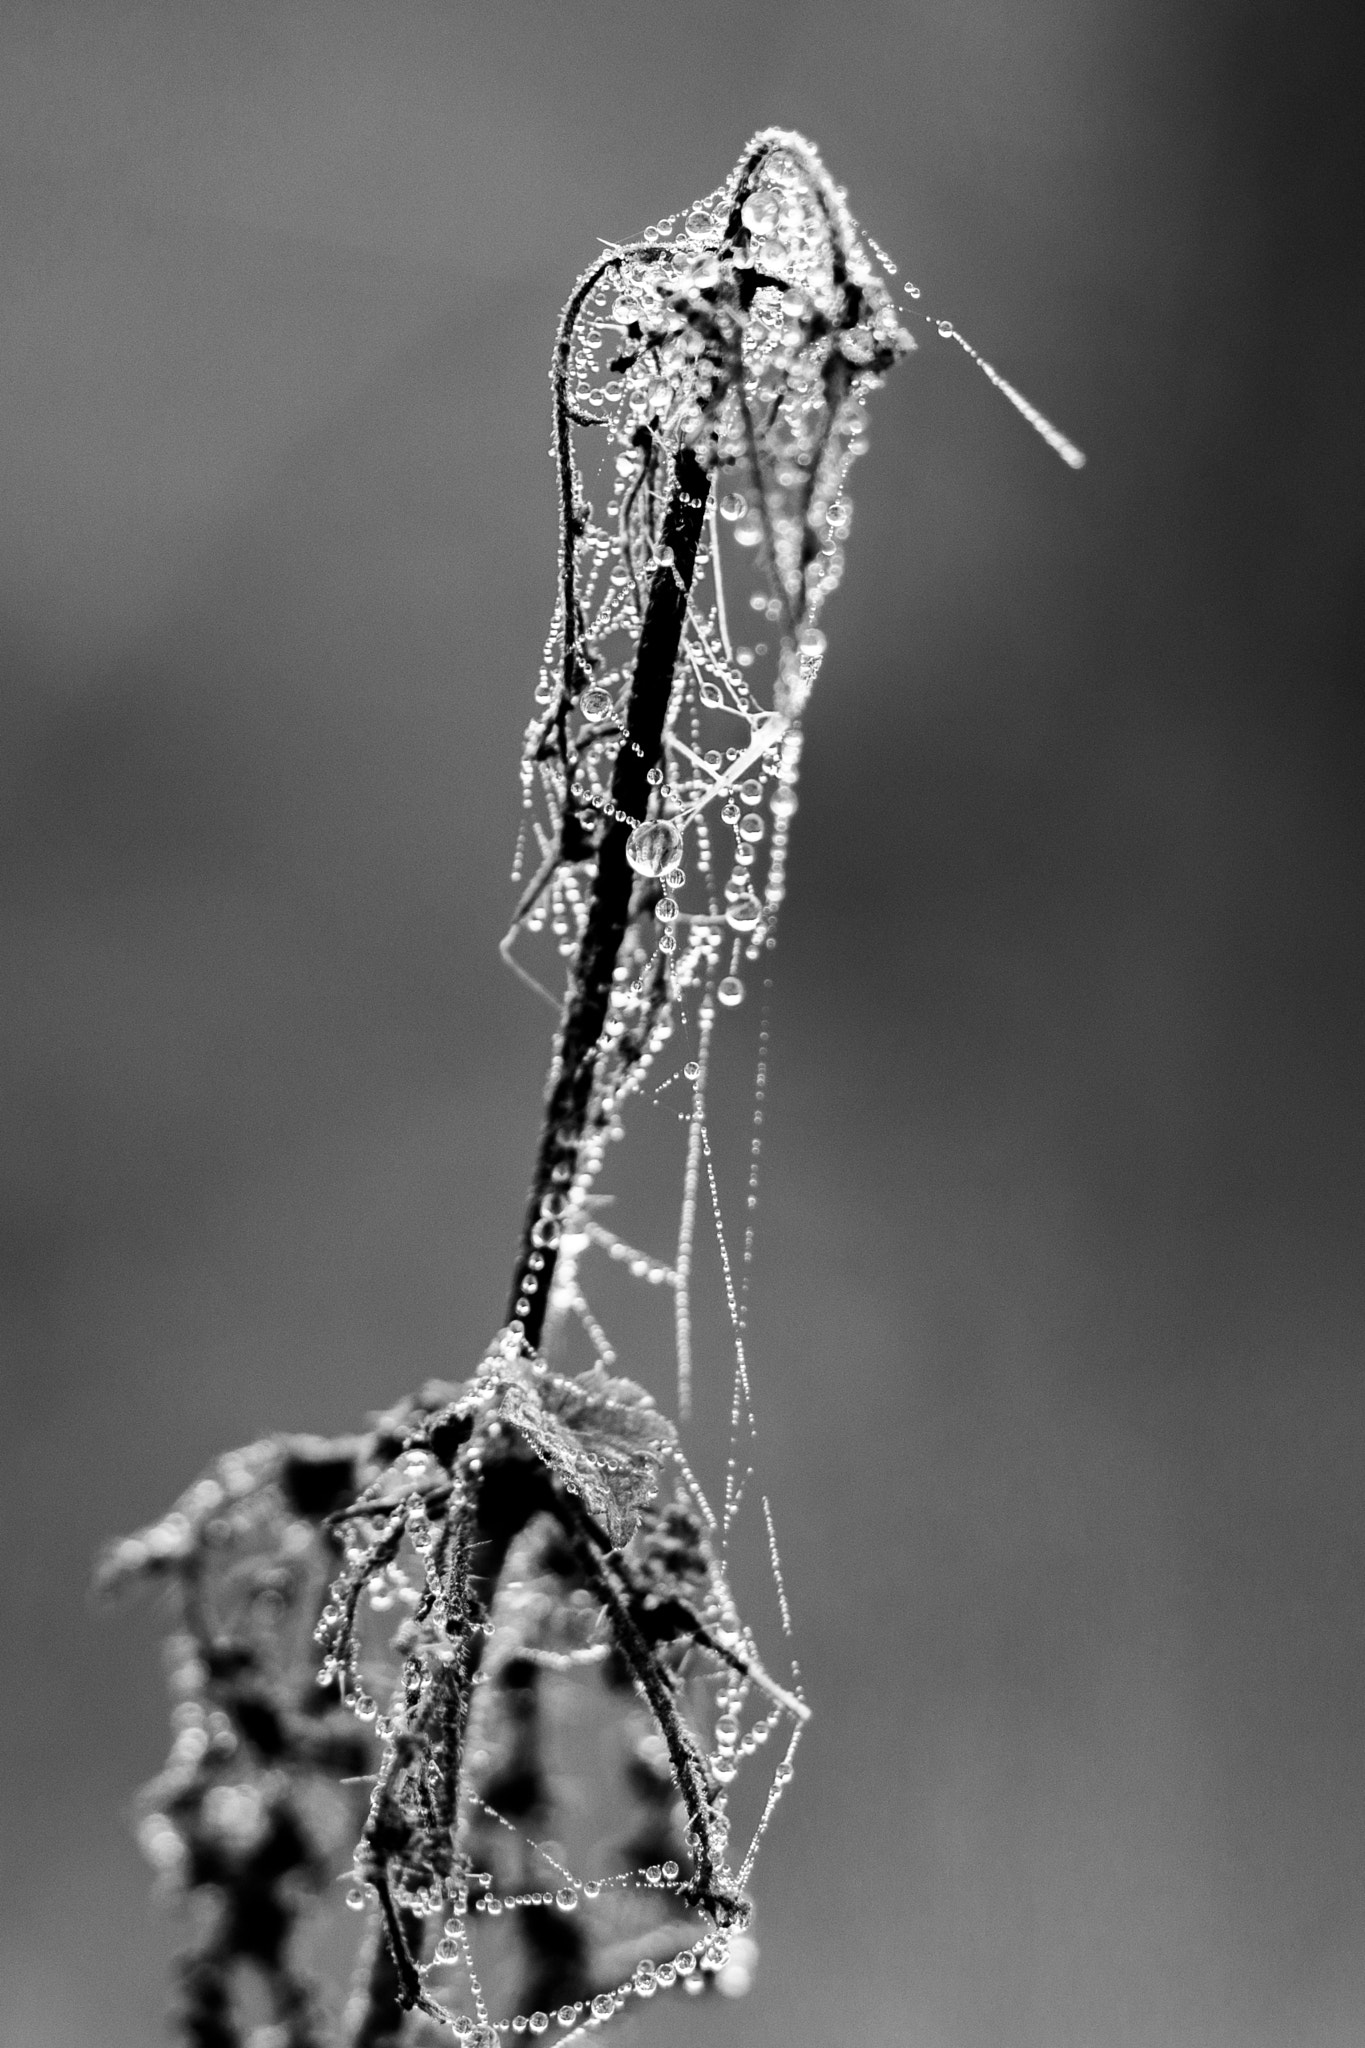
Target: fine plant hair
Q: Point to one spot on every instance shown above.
(376, 1635)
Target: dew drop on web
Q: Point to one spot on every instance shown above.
(654, 846)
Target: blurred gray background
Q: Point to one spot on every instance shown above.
(1060, 1300)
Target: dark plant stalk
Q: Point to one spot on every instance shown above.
(609, 905)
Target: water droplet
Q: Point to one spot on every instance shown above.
(603, 2006)
(592, 1889)
(596, 704)
(692, 1071)
(566, 1898)
(538, 2022)
(723, 1772)
(744, 913)
(749, 532)
(666, 909)
(685, 1962)
(493, 1907)
(483, 2036)
(447, 1950)
(751, 826)
(673, 878)
(566, 2015)
(945, 328)
(670, 1870)
(355, 1899)
(734, 507)
(654, 846)
(730, 991)
(751, 791)
(782, 802)
(365, 1709)
(730, 812)
(760, 211)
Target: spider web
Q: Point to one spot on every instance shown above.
(560, 1577)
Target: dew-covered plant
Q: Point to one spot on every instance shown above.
(478, 1670)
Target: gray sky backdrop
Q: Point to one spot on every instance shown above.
(1060, 1299)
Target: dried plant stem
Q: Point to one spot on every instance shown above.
(609, 904)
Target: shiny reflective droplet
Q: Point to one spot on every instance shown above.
(733, 507)
(685, 1962)
(483, 2036)
(692, 1070)
(566, 1898)
(592, 1889)
(673, 878)
(355, 1899)
(751, 826)
(538, 2022)
(545, 1231)
(670, 1869)
(782, 802)
(730, 991)
(744, 913)
(603, 2006)
(811, 642)
(945, 328)
(749, 532)
(730, 812)
(654, 846)
(666, 909)
(596, 704)
(566, 2015)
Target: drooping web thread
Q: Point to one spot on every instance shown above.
(493, 1635)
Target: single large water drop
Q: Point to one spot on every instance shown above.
(654, 846)
(744, 913)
